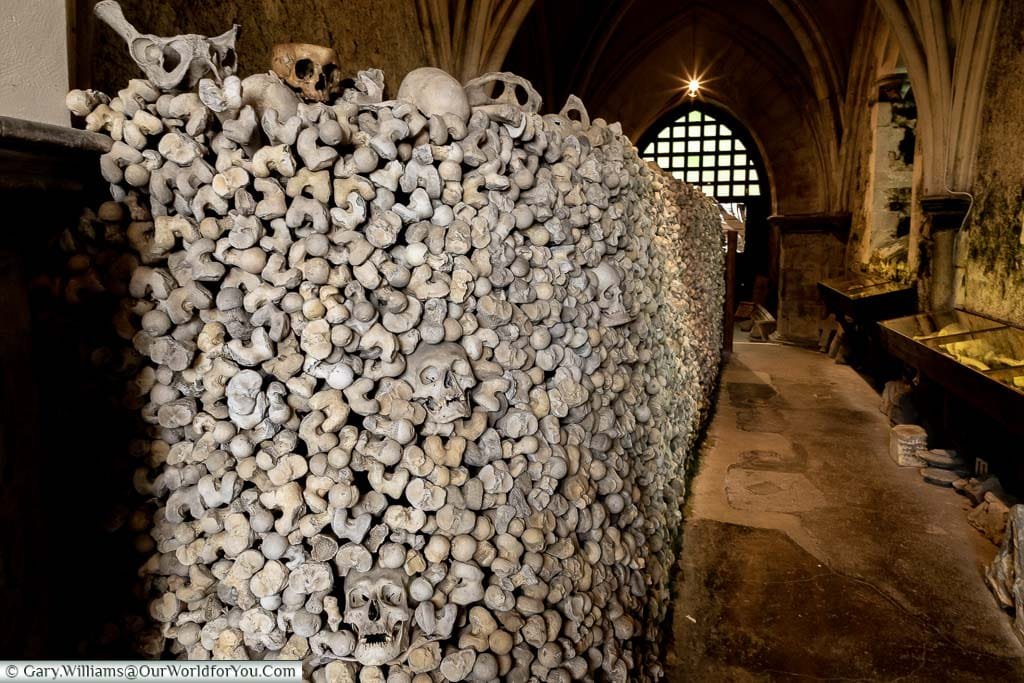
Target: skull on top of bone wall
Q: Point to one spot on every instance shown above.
(435, 92)
(311, 70)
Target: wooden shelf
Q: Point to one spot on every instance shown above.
(41, 157)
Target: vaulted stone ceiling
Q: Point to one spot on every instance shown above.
(779, 66)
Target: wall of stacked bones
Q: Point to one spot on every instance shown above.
(420, 377)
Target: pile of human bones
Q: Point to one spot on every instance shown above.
(422, 374)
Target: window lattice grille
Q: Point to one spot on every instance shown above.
(700, 150)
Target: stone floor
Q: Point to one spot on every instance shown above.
(809, 555)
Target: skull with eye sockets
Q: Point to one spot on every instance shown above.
(439, 375)
(311, 70)
(610, 295)
(377, 609)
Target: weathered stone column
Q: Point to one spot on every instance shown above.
(943, 217)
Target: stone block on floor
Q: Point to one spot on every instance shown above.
(904, 443)
(975, 488)
(944, 459)
(939, 477)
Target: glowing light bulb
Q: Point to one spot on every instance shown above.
(693, 87)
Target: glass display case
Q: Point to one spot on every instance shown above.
(858, 303)
(868, 297)
(923, 326)
(863, 286)
(977, 358)
(997, 352)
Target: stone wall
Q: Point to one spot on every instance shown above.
(811, 249)
(990, 253)
(884, 249)
(34, 60)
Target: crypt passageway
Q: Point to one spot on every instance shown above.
(809, 554)
(519, 340)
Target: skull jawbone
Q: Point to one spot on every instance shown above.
(370, 654)
(450, 412)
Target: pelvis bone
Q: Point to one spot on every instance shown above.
(503, 96)
(175, 62)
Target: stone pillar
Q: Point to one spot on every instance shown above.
(811, 248)
(891, 177)
(943, 217)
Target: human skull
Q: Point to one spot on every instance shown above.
(439, 375)
(377, 608)
(175, 62)
(311, 70)
(609, 295)
(435, 92)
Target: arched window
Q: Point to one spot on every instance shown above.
(704, 146)
(708, 151)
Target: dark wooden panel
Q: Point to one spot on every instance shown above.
(65, 574)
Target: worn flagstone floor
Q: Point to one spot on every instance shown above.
(809, 555)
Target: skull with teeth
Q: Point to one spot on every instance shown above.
(377, 608)
(310, 70)
(439, 375)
